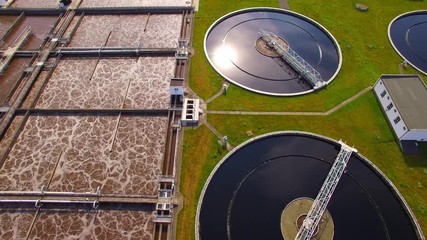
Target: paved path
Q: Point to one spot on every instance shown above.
(195, 4)
(219, 112)
(332, 110)
(218, 134)
(215, 96)
(348, 100)
(284, 4)
(208, 125)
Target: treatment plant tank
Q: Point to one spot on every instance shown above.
(250, 191)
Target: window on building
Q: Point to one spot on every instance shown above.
(390, 106)
(383, 94)
(396, 120)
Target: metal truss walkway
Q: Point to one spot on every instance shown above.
(41, 57)
(9, 53)
(294, 60)
(319, 206)
(73, 197)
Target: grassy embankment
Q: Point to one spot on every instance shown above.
(367, 53)
(201, 152)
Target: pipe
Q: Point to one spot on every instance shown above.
(11, 28)
(151, 112)
(71, 194)
(38, 202)
(104, 52)
(103, 10)
(114, 52)
(176, 152)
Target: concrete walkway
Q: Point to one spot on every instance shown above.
(217, 134)
(284, 4)
(349, 100)
(213, 130)
(215, 96)
(330, 111)
(195, 4)
(219, 112)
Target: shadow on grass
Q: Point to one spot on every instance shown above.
(419, 159)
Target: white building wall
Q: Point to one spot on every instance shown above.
(176, 90)
(416, 134)
(190, 112)
(389, 107)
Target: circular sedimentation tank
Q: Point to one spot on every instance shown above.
(264, 187)
(234, 48)
(407, 34)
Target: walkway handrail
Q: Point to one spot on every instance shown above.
(293, 59)
(70, 194)
(315, 214)
(17, 44)
(23, 37)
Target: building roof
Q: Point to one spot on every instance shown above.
(409, 94)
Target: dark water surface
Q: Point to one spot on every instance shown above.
(5, 23)
(11, 77)
(245, 66)
(246, 196)
(408, 33)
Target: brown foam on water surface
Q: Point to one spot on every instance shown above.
(34, 155)
(9, 134)
(161, 31)
(101, 224)
(81, 147)
(150, 87)
(147, 77)
(15, 223)
(94, 30)
(35, 4)
(128, 31)
(31, 97)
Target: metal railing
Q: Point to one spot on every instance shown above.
(13, 26)
(17, 44)
(294, 60)
(313, 217)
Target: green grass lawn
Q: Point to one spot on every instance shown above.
(360, 123)
(200, 155)
(354, 31)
